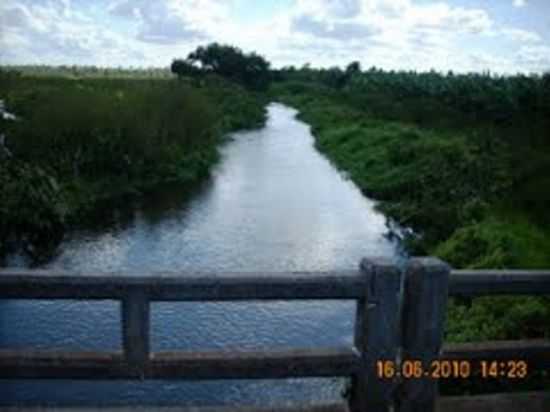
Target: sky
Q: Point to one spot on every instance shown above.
(502, 36)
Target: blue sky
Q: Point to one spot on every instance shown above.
(503, 36)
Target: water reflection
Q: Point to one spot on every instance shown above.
(273, 203)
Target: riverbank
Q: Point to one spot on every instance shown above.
(466, 201)
(273, 204)
(79, 142)
(451, 189)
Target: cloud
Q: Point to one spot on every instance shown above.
(394, 34)
(448, 18)
(535, 57)
(126, 9)
(331, 30)
(168, 30)
(343, 8)
(19, 16)
(159, 21)
(171, 21)
(333, 8)
(519, 3)
(520, 35)
(52, 32)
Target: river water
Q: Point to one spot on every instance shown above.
(273, 203)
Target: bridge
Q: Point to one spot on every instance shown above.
(395, 363)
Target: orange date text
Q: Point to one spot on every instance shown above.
(452, 369)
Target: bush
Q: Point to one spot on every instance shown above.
(33, 209)
(103, 138)
(474, 196)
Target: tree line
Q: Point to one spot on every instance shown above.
(506, 102)
(518, 106)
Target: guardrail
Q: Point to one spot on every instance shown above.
(400, 317)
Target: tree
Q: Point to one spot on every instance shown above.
(353, 68)
(334, 77)
(251, 70)
(183, 68)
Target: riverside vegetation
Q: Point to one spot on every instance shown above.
(80, 140)
(463, 160)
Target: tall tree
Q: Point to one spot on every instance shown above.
(353, 68)
(183, 68)
(252, 70)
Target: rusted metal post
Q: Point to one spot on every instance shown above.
(425, 306)
(377, 335)
(135, 325)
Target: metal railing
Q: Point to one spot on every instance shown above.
(400, 316)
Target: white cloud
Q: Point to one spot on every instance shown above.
(331, 30)
(20, 16)
(167, 21)
(393, 34)
(519, 3)
(446, 18)
(50, 32)
(520, 35)
(537, 58)
(396, 34)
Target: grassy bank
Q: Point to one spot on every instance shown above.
(468, 199)
(79, 141)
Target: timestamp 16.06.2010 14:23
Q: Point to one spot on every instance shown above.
(452, 369)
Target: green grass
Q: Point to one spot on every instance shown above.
(504, 239)
(451, 186)
(474, 202)
(80, 141)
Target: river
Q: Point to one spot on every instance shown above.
(273, 203)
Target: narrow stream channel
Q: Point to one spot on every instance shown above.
(273, 204)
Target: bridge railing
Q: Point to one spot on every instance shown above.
(423, 325)
(400, 316)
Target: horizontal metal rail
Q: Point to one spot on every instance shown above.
(197, 286)
(536, 351)
(194, 286)
(379, 330)
(181, 365)
(499, 282)
(136, 292)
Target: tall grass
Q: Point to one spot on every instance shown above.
(436, 179)
(99, 138)
(473, 200)
(81, 131)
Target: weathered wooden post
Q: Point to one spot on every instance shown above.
(135, 326)
(425, 306)
(377, 335)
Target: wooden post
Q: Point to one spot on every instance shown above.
(135, 325)
(425, 306)
(377, 335)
